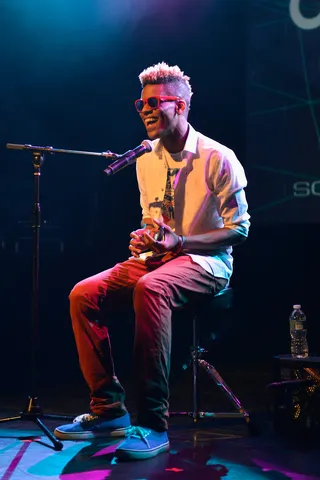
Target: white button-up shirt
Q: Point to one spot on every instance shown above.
(208, 194)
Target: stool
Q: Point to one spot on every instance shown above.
(222, 301)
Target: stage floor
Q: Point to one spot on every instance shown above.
(211, 449)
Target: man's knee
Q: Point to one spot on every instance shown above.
(82, 291)
(149, 284)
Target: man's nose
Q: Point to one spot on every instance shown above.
(146, 109)
(146, 113)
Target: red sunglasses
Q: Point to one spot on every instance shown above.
(153, 102)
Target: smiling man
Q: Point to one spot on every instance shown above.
(194, 210)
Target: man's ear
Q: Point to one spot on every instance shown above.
(180, 106)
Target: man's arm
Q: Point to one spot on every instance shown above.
(228, 183)
(208, 242)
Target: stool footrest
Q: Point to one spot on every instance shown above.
(209, 414)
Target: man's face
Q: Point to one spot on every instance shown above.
(162, 120)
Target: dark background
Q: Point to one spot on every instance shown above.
(69, 76)
(283, 114)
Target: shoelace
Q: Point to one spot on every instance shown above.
(140, 433)
(84, 417)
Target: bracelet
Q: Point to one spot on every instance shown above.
(178, 248)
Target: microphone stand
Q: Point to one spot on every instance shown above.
(33, 410)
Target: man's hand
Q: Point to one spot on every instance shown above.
(137, 242)
(169, 241)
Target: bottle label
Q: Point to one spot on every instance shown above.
(298, 326)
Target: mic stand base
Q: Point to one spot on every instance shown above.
(32, 412)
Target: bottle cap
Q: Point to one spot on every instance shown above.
(296, 307)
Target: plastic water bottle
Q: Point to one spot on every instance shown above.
(298, 333)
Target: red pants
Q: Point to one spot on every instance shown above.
(155, 294)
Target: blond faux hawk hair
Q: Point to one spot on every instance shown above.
(163, 73)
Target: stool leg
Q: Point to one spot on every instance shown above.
(216, 377)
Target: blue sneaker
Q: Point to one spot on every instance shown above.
(89, 426)
(142, 443)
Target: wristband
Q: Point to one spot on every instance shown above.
(179, 246)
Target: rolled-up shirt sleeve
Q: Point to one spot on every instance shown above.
(229, 182)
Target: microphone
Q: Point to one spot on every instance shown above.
(129, 157)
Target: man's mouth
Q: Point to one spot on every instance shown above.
(150, 121)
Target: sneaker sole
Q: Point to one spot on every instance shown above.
(141, 454)
(119, 432)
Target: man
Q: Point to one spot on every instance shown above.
(194, 210)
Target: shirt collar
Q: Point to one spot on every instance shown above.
(190, 145)
(192, 141)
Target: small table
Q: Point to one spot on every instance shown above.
(288, 368)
